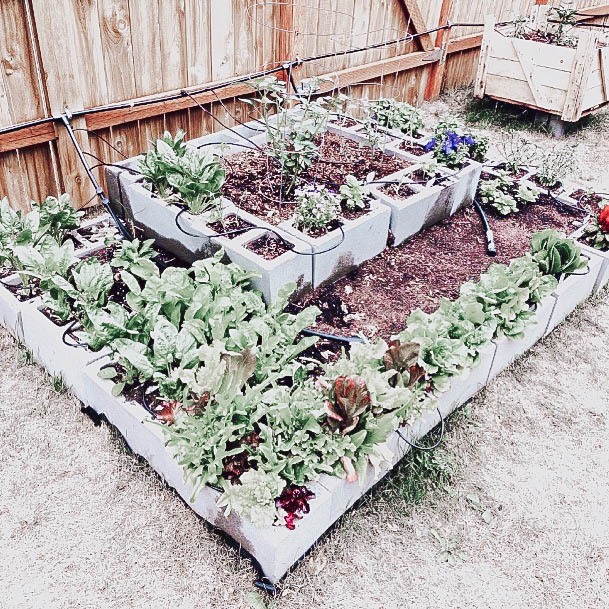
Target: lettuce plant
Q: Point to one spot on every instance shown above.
(556, 254)
(182, 175)
(504, 195)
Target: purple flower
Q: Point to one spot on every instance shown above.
(431, 144)
(469, 140)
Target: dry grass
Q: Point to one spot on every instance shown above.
(523, 524)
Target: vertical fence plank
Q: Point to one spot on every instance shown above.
(145, 32)
(198, 41)
(174, 58)
(222, 39)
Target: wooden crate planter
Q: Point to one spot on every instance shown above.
(562, 81)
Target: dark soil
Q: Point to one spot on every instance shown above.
(412, 148)
(420, 177)
(51, 316)
(254, 180)
(590, 201)
(377, 298)
(232, 225)
(398, 191)
(352, 214)
(345, 122)
(92, 233)
(268, 247)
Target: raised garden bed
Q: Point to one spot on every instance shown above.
(565, 81)
(276, 548)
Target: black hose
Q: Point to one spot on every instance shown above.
(427, 448)
(66, 333)
(333, 337)
(491, 249)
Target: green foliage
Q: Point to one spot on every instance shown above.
(253, 498)
(554, 164)
(354, 194)
(317, 208)
(561, 20)
(397, 115)
(505, 195)
(556, 254)
(41, 229)
(136, 257)
(290, 138)
(182, 175)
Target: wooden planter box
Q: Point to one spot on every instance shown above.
(566, 82)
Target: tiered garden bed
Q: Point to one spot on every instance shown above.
(267, 434)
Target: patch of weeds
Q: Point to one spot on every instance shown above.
(58, 384)
(24, 356)
(487, 113)
(476, 504)
(255, 600)
(417, 474)
(450, 548)
(597, 122)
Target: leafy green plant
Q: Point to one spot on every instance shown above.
(561, 20)
(556, 254)
(505, 195)
(44, 226)
(136, 257)
(553, 165)
(596, 233)
(316, 208)
(397, 115)
(354, 194)
(183, 175)
(351, 399)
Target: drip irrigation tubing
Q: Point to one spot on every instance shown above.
(245, 229)
(216, 87)
(333, 337)
(433, 446)
(76, 344)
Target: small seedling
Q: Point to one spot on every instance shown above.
(24, 356)
(58, 384)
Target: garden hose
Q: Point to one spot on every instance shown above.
(491, 249)
(427, 448)
(333, 337)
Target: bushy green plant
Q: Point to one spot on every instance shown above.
(556, 254)
(179, 174)
(45, 226)
(393, 114)
(505, 195)
(561, 20)
(354, 194)
(316, 208)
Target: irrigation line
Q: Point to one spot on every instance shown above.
(427, 448)
(239, 80)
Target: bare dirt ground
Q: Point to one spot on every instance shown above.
(521, 524)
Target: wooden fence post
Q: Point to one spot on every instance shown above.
(436, 74)
(489, 32)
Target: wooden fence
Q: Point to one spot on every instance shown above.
(80, 54)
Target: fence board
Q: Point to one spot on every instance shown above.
(83, 53)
